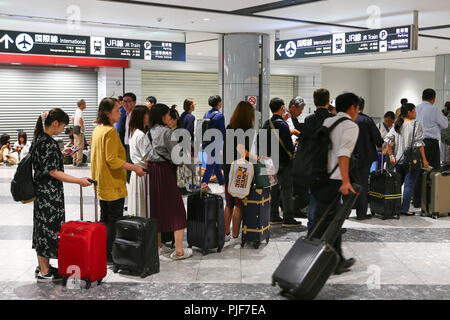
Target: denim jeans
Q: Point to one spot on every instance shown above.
(409, 180)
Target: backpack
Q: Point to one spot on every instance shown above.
(206, 125)
(310, 168)
(22, 185)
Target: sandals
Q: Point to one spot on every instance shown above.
(409, 213)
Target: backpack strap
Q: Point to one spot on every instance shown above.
(211, 116)
(291, 156)
(331, 128)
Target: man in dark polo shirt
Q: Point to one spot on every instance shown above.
(286, 153)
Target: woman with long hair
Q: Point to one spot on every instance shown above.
(109, 167)
(138, 124)
(48, 211)
(406, 131)
(243, 118)
(187, 118)
(166, 204)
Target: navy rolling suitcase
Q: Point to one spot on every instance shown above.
(385, 193)
(310, 262)
(256, 217)
(205, 222)
(135, 247)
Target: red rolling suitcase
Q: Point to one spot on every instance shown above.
(82, 248)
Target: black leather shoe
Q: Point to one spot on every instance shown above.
(301, 214)
(344, 266)
(366, 217)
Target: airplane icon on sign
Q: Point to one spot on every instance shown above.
(291, 49)
(24, 42)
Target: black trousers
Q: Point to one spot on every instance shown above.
(325, 197)
(110, 213)
(433, 153)
(362, 203)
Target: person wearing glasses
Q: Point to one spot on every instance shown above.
(123, 127)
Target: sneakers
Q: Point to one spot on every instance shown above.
(276, 220)
(38, 269)
(51, 276)
(344, 266)
(291, 222)
(187, 254)
(164, 250)
(228, 237)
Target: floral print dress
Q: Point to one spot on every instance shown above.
(48, 212)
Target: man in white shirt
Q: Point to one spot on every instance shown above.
(78, 133)
(343, 137)
(129, 103)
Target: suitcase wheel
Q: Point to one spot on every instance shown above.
(397, 216)
(242, 244)
(267, 240)
(64, 280)
(219, 249)
(189, 246)
(435, 215)
(116, 269)
(256, 245)
(204, 252)
(88, 283)
(99, 282)
(144, 275)
(383, 218)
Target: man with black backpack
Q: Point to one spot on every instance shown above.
(283, 190)
(343, 133)
(312, 123)
(213, 119)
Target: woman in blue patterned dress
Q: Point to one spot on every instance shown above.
(48, 212)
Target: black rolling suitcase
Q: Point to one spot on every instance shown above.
(256, 217)
(205, 221)
(135, 247)
(310, 262)
(385, 193)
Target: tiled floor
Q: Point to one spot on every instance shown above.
(396, 259)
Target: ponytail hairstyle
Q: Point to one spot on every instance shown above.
(105, 106)
(47, 119)
(407, 107)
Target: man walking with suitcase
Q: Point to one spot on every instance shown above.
(343, 138)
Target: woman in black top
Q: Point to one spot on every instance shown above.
(48, 211)
(243, 118)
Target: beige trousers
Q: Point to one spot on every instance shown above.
(78, 141)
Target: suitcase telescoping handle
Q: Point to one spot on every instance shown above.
(95, 201)
(147, 194)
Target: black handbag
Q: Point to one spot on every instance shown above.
(413, 158)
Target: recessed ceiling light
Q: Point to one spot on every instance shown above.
(16, 63)
(72, 66)
(206, 19)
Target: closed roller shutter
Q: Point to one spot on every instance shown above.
(282, 87)
(26, 91)
(174, 87)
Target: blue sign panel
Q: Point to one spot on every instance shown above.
(356, 42)
(84, 46)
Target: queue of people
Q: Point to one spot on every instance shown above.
(130, 138)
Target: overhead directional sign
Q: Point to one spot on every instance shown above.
(357, 42)
(84, 46)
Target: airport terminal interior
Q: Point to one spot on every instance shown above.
(53, 53)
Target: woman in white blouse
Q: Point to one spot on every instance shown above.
(138, 124)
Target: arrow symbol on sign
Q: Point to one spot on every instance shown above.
(279, 50)
(7, 39)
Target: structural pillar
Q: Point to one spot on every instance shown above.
(244, 71)
(442, 80)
